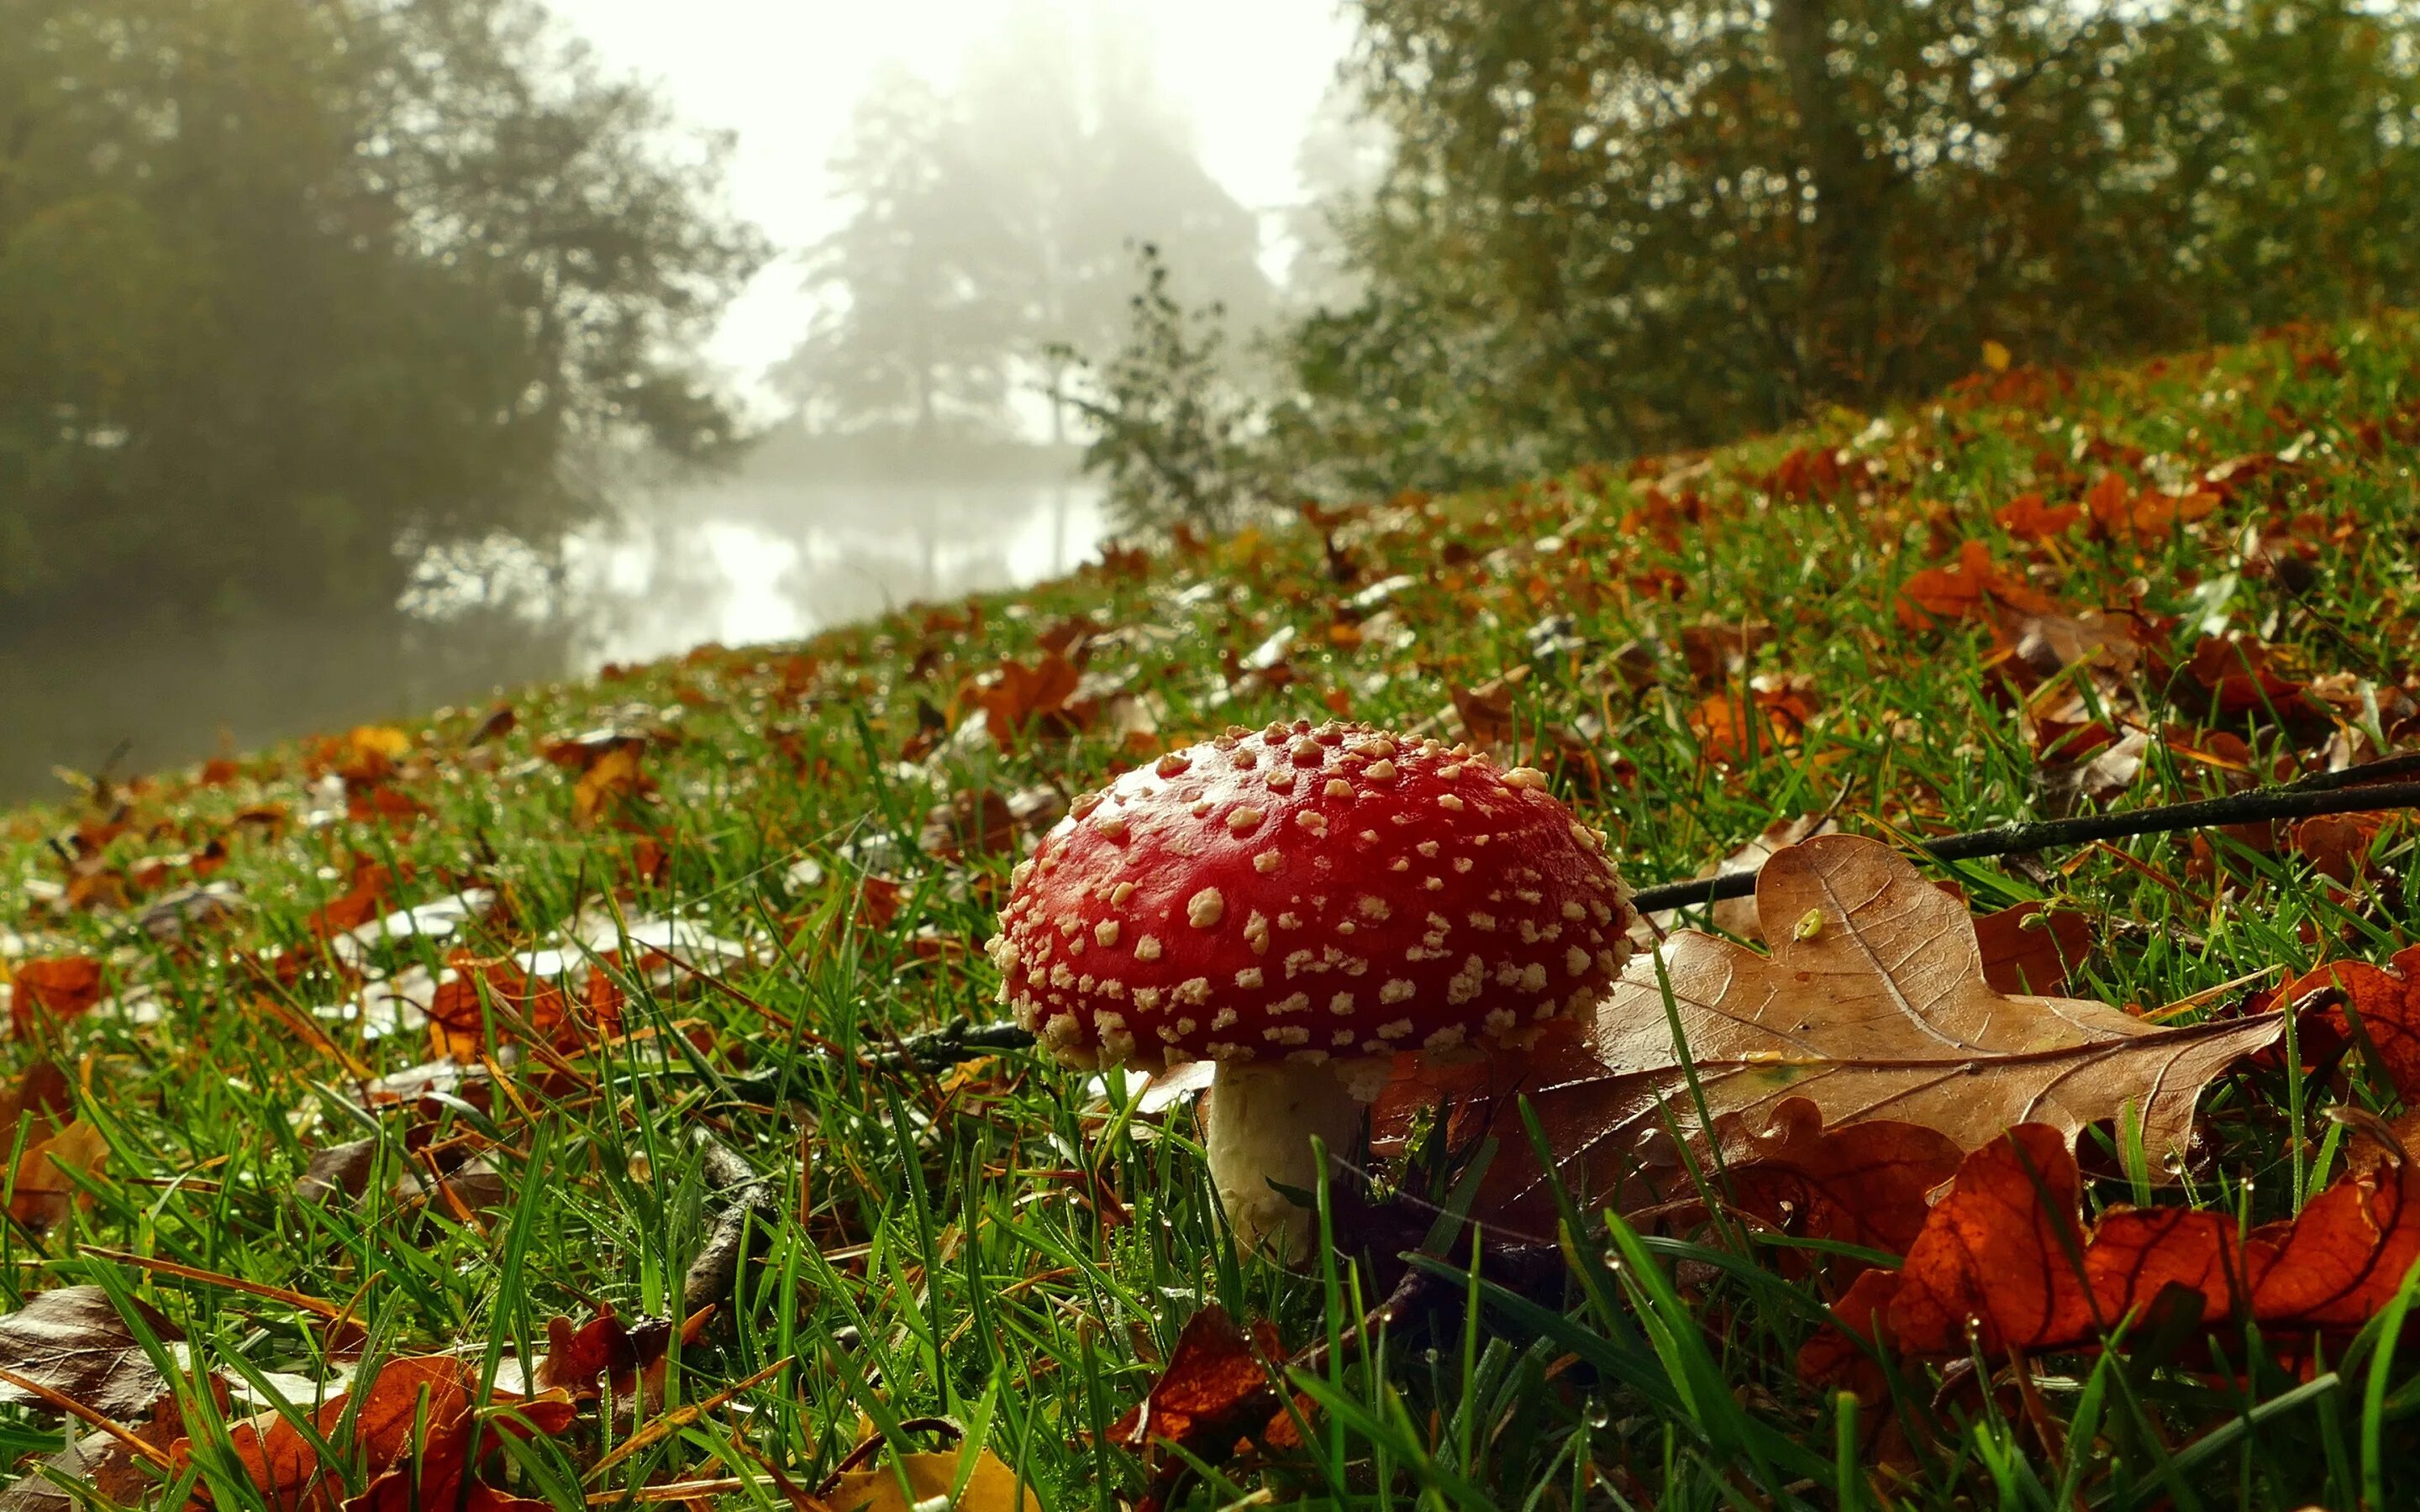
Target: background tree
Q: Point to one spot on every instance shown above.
(289, 293)
(992, 227)
(919, 317)
(1617, 228)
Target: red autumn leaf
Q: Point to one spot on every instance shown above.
(2386, 1002)
(1976, 589)
(2240, 677)
(412, 1437)
(1861, 1183)
(1809, 472)
(1016, 695)
(2121, 513)
(1993, 1256)
(370, 896)
(60, 987)
(2030, 948)
(2005, 1260)
(1215, 1391)
(2339, 844)
(2028, 517)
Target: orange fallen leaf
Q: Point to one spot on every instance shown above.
(1217, 1387)
(2005, 1261)
(1975, 588)
(46, 1188)
(58, 987)
(2029, 518)
(413, 1432)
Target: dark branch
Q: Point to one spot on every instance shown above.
(2345, 791)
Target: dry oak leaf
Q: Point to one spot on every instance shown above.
(1872, 1005)
(73, 1340)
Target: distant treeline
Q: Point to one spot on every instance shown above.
(1609, 227)
(289, 292)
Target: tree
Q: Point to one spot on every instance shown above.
(289, 293)
(994, 226)
(918, 324)
(1172, 434)
(1617, 228)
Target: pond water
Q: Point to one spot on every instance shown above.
(741, 562)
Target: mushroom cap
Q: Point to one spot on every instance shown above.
(1306, 893)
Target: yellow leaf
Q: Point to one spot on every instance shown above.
(1995, 357)
(613, 775)
(992, 1487)
(381, 740)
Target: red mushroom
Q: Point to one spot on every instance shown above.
(1300, 905)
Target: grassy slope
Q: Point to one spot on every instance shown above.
(940, 1252)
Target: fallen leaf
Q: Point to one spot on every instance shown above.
(410, 1433)
(1868, 1185)
(2005, 1260)
(2030, 948)
(2121, 514)
(60, 987)
(1216, 1390)
(992, 1485)
(2380, 1010)
(2028, 517)
(608, 779)
(73, 1340)
(101, 1461)
(1872, 1005)
(1737, 915)
(1975, 588)
(46, 1187)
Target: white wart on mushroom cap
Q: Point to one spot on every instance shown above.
(1296, 894)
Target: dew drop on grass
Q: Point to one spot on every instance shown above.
(2173, 1163)
(1599, 1414)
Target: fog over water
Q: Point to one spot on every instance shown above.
(735, 561)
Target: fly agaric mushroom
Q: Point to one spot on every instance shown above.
(1300, 905)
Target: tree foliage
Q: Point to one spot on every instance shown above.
(1176, 439)
(1614, 228)
(289, 293)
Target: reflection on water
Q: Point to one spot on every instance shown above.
(752, 562)
(741, 562)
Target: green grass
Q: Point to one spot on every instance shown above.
(1001, 1244)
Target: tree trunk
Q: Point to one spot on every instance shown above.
(1839, 316)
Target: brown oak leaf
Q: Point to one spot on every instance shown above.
(1874, 1005)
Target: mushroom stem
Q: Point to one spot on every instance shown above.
(1263, 1118)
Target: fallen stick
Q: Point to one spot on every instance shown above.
(2350, 790)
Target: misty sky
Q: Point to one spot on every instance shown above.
(784, 75)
